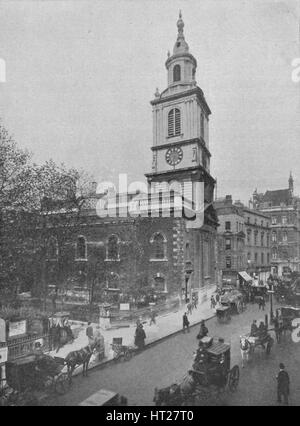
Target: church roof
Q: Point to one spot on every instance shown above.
(277, 197)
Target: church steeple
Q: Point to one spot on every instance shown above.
(291, 183)
(181, 45)
(181, 65)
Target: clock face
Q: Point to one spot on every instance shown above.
(174, 156)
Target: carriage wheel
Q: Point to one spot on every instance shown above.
(234, 377)
(62, 384)
(128, 355)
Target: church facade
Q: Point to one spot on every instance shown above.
(167, 254)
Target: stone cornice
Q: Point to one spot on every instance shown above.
(200, 141)
(197, 91)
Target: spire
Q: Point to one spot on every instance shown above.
(181, 45)
(291, 182)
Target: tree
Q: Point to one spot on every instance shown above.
(39, 204)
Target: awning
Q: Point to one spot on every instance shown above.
(245, 276)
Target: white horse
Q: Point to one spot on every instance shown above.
(245, 347)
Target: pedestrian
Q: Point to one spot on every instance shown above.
(283, 385)
(203, 331)
(277, 330)
(195, 302)
(185, 323)
(217, 298)
(90, 333)
(152, 317)
(189, 308)
(140, 337)
(212, 302)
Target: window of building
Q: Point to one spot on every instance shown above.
(159, 246)
(268, 240)
(274, 253)
(255, 258)
(262, 258)
(284, 220)
(284, 237)
(228, 244)
(52, 248)
(202, 125)
(268, 258)
(274, 220)
(249, 256)
(176, 73)
(248, 236)
(262, 223)
(112, 248)
(187, 251)
(262, 239)
(274, 237)
(81, 248)
(228, 226)
(255, 238)
(228, 262)
(174, 122)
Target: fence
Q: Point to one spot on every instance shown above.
(24, 345)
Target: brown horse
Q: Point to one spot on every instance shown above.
(81, 357)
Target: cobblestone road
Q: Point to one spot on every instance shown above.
(168, 361)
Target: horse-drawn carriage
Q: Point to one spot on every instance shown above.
(223, 314)
(233, 299)
(34, 377)
(286, 315)
(210, 375)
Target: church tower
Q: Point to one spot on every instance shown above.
(180, 126)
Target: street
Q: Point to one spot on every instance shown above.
(168, 361)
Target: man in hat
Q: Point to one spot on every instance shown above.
(283, 384)
(185, 323)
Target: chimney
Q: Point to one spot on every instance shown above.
(228, 199)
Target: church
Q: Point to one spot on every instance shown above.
(163, 249)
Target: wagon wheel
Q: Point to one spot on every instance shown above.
(62, 384)
(128, 354)
(234, 377)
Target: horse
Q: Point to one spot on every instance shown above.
(245, 348)
(80, 357)
(175, 394)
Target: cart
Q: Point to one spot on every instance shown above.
(121, 352)
(209, 377)
(223, 314)
(33, 377)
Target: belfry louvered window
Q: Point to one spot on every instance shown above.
(174, 124)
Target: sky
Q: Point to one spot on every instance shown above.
(80, 76)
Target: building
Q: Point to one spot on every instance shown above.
(244, 241)
(284, 209)
(171, 254)
(231, 239)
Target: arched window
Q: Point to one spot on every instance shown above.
(284, 237)
(52, 248)
(176, 73)
(159, 246)
(274, 253)
(81, 248)
(174, 122)
(274, 236)
(112, 252)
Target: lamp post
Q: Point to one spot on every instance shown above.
(271, 292)
(188, 272)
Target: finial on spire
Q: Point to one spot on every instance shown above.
(168, 54)
(180, 14)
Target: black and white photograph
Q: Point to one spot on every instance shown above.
(149, 205)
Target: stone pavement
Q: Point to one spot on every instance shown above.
(166, 325)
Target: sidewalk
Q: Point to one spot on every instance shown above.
(165, 326)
